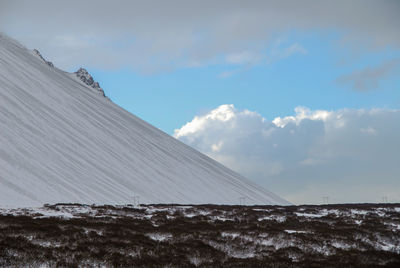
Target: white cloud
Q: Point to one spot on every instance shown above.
(153, 35)
(217, 146)
(350, 155)
(222, 114)
(301, 114)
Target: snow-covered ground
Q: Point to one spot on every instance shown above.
(363, 234)
(61, 141)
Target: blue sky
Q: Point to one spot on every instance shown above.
(302, 97)
(272, 87)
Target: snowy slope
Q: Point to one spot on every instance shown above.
(61, 141)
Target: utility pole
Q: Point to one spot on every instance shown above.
(325, 200)
(385, 199)
(136, 202)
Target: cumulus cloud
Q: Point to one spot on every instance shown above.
(369, 78)
(149, 35)
(349, 155)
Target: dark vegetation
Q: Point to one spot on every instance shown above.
(356, 235)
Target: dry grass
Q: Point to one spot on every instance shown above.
(361, 235)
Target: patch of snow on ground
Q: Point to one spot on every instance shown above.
(358, 222)
(332, 211)
(397, 226)
(159, 236)
(190, 215)
(220, 218)
(295, 232)
(340, 245)
(153, 209)
(273, 218)
(262, 209)
(41, 212)
(230, 235)
(309, 215)
(386, 246)
(358, 212)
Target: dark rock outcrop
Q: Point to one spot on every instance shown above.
(43, 59)
(86, 78)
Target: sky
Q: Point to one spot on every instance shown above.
(302, 97)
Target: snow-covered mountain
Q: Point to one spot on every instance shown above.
(61, 141)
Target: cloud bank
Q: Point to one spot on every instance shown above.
(348, 155)
(160, 35)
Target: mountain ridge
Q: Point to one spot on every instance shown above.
(62, 143)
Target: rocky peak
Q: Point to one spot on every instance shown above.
(43, 59)
(86, 78)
